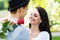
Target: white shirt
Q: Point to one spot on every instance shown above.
(44, 35)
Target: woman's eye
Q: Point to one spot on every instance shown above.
(35, 15)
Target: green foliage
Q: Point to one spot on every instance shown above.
(56, 38)
(10, 28)
(5, 24)
(57, 1)
(41, 3)
(52, 8)
(3, 4)
(2, 36)
(4, 30)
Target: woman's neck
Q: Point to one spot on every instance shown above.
(35, 28)
(34, 31)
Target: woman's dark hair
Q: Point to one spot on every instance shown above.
(44, 26)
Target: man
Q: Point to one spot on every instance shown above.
(18, 9)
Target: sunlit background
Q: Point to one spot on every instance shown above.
(52, 7)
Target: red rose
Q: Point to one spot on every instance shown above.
(20, 21)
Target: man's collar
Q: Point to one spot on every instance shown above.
(13, 19)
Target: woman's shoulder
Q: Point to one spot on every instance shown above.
(44, 33)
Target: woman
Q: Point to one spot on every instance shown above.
(39, 25)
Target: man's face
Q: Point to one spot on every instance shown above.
(23, 12)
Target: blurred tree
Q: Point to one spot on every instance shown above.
(1, 4)
(52, 7)
(5, 4)
(57, 1)
(42, 3)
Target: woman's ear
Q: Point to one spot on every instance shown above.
(40, 21)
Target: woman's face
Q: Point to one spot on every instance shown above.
(35, 17)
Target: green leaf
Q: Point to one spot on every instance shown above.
(5, 24)
(10, 28)
(14, 26)
(2, 36)
(4, 29)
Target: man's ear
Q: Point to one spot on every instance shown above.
(21, 9)
(18, 11)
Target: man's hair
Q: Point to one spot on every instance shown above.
(15, 10)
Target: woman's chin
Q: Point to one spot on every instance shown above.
(32, 23)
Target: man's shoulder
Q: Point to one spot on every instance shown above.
(24, 32)
(21, 31)
(22, 28)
